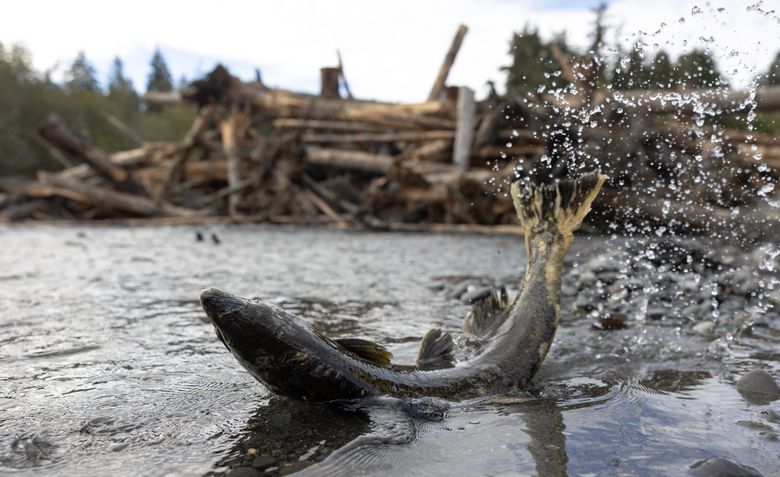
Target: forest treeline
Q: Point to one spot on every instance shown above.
(85, 102)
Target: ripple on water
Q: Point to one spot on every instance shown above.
(110, 367)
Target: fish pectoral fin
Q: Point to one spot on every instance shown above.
(487, 315)
(367, 351)
(437, 350)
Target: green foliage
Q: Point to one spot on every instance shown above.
(532, 64)
(630, 72)
(697, 69)
(27, 97)
(80, 77)
(121, 93)
(662, 74)
(772, 76)
(160, 78)
(599, 28)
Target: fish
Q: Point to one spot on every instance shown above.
(287, 355)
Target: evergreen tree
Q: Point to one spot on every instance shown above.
(661, 73)
(773, 74)
(697, 69)
(80, 77)
(118, 83)
(121, 93)
(532, 64)
(631, 72)
(160, 78)
(599, 28)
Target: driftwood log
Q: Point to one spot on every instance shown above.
(255, 153)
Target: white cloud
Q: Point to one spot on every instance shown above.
(391, 50)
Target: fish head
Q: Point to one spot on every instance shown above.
(278, 348)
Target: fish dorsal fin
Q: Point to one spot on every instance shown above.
(436, 351)
(487, 314)
(367, 351)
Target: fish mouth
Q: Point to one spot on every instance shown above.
(241, 324)
(218, 304)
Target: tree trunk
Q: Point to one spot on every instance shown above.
(55, 131)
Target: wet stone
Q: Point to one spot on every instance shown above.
(770, 436)
(608, 277)
(612, 321)
(705, 328)
(771, 416)
(758, 387)
(243, 472)
(294, 467)
(263, 461)
(760, 426)
(656, 313)
(720, 466)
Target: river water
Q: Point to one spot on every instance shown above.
(109, 367)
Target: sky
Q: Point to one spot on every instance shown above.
(391, 50)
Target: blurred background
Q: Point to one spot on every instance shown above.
(84, 60)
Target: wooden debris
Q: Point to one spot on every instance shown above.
(449, 60)
(256, 153)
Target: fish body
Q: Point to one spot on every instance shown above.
(286, 354)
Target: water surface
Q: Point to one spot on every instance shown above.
(108, 366)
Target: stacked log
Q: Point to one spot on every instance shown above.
(256, 153)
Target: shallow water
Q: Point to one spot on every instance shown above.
(108, 365)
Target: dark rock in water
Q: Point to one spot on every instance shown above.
(771, 415)
(198, 236)
(611, 321)
(31, 448)
(294, 467)
(215, 239)
(263, 461)
(655, 313)
(704, 328)
(430, 409)
(243, 472)
(609, 277)
(722, 467)
(758, 387)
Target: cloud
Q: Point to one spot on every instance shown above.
(391, 50)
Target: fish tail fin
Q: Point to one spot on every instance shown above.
(561, 205)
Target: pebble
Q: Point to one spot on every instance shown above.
(612, 321)
(654, 313)
(759, 385)
(704, 328)
(720, 466)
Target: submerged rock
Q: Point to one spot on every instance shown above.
(722, 467)
(611, 321)
(705, 328)
(758, 387)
